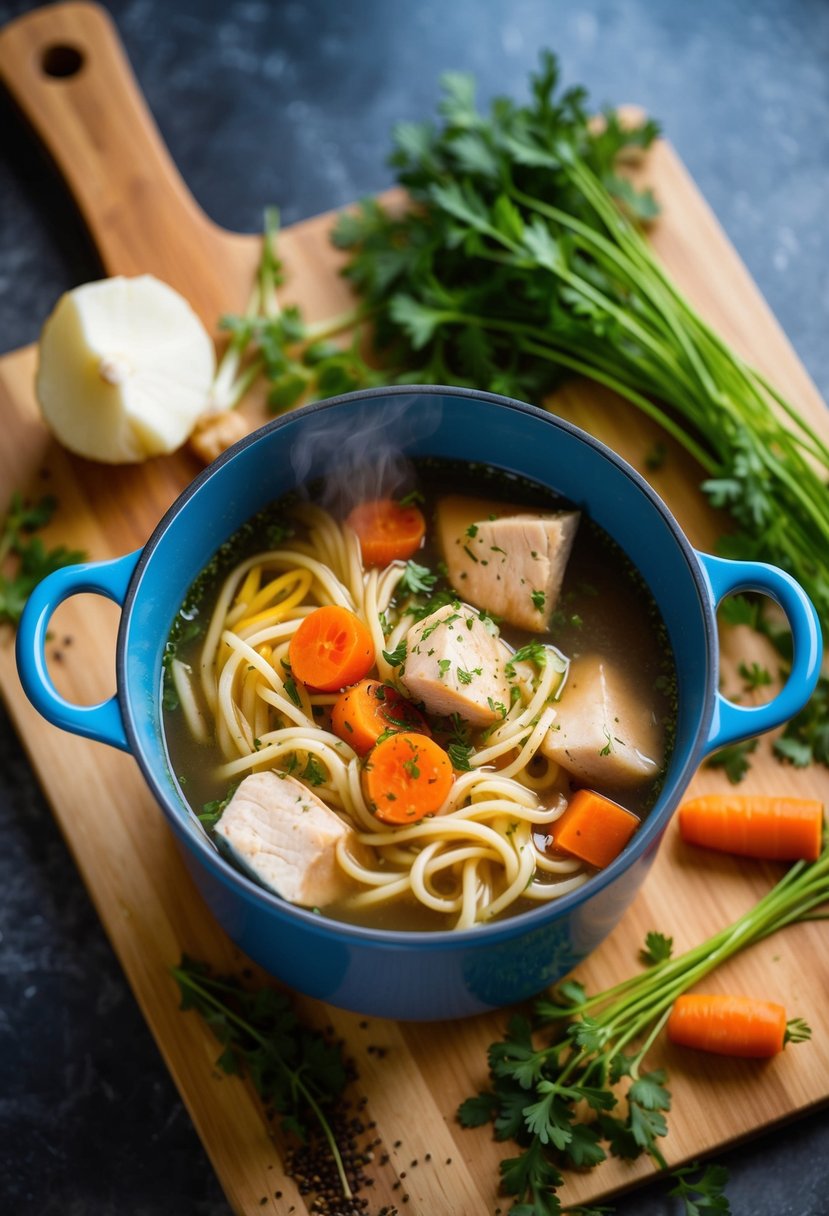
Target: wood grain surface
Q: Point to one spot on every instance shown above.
(142, 218)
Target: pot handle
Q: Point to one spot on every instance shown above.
(101, 722)
(731, 723)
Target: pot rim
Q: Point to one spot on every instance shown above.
(441, 939)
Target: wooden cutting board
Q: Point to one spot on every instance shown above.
(67, 71)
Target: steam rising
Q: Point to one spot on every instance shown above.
(359, 453)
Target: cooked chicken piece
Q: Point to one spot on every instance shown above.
(505, 559)
(455, 665)
(286, 838)
(604, 734)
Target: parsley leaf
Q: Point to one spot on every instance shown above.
(657, 948)
(396, 657)
(416, 579)
(702, 1195)
(24, 559)
(733, 759)
(314, 772)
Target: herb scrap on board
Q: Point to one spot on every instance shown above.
(299, 1073)
(24, 559)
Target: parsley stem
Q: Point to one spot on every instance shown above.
(297, 1084)
(643, 403)
(329, 327)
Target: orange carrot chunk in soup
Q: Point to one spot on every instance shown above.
(407, 777)
(331, 649)
(370, 709)
(387, 530)
(594, 828)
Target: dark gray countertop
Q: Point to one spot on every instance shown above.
(291, 103)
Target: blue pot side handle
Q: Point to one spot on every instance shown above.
(731, 723)
(101, 722)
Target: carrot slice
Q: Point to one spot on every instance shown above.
(388, 532)
(594, 828)
(728, 1025)
(331, 649)
(370, 709)
(754, 825)
(407, 777)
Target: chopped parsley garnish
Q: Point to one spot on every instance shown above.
(460, 754)
(533, 652)
(417, 579)
(314, 772)
(410, 499)
(539, 599)
(395, 657)
(289, 684)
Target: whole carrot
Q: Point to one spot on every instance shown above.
(732, 1025)
(755, 825)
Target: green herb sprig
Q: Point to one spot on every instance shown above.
(296, 1071)
(593, 1059)
(24, 559)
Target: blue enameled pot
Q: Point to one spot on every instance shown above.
(380, 972)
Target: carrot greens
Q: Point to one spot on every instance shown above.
(573, 1086)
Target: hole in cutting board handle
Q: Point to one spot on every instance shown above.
(61, 60)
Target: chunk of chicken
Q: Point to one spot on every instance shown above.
(286, 839)
(604, 733)
(505, 559)
(454, 664)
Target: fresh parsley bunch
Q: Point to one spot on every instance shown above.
(522, 262)
(573, 1086)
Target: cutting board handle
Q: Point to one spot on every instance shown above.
(66, 69)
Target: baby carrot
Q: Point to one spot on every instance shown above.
(331, 649)
(388, 531)
(732, 1025)
(407, 777)
(754, 825)
(594, 828)
(362, 714)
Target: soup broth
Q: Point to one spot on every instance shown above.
(585, 701)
